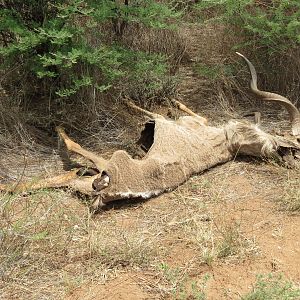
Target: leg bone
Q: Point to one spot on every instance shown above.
(147, 113)
(56, 181)
(182, 107)
(99, 162)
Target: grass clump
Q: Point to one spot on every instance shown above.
(234, 243)
(122, 248)
(181, 285)
(272, 287)
(290, 199)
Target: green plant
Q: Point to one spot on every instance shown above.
(213, 72)
(230, 243)
(272, 287)
(182, 286)
(234, 243)
(64, 45)
(274, 24)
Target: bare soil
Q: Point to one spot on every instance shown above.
(242, 197)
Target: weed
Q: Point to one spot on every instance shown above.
(183, 287)
(272, 287)
(230, 243)
(213, 72)
(234, 243)
(290, 199)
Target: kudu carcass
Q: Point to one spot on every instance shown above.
(174, 151)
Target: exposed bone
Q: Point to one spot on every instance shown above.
(147, 113)
(175, 150)
(182, 107)
(99, 162)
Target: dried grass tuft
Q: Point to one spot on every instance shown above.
(289, 199)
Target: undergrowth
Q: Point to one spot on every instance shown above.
(74, 61)
(49, 239)
(65, 44)
(273, 287)
(290, 197)
(273, 25)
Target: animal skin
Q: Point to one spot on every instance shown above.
(174, 151)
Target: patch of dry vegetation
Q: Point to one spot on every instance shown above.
(214, 236)
(40, 235)
(290, 197)
(50, 240)
(50, 243)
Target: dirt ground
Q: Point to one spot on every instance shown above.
(208, 239)
(237, 199)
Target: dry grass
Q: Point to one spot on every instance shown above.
(40, 234)
(212, 236)
(50, 240)
(51, 233)
(290, 197)
(50, 244)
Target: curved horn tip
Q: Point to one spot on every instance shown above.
(240, 54)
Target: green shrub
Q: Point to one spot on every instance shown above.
(64, 44)
(274, 24)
